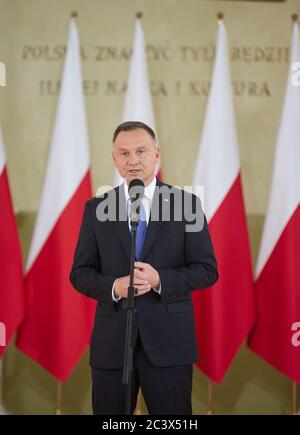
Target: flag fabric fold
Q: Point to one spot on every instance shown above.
(278, 264)
(12, 283)
(58, 322)
(224, 313)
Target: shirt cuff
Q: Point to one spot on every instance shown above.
(157, 290)
(114, 297)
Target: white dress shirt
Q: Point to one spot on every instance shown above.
(147, 202)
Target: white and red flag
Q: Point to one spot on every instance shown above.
(278, 265)
(138, 101)
(58, 322)
(225, 312)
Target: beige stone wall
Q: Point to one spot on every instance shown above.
(180, 36)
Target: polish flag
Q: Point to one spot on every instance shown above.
(276, 334)
(138, 101)
(224, 313)
(12, 284)
(58, 323)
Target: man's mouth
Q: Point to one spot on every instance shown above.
(134, 171)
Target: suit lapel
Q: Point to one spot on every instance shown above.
(121, 226)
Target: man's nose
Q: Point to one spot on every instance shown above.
(133, 160)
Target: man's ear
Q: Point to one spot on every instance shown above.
(157, 153)
(113, 156)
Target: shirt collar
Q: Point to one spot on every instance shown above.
(149, 190)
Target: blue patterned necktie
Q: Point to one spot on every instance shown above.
(140, 233)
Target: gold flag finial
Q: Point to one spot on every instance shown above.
(294, 18)
(220, 16)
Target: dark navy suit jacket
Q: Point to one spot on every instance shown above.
(185, 262)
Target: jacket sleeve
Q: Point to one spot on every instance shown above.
(86, 276)
(199, 270)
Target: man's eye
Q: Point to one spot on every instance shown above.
(123, 154)
(141, 152)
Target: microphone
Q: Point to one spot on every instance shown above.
(136, 191)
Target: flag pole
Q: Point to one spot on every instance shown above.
(294, 398)
(2, 409)
(58, 398)
(210, 410)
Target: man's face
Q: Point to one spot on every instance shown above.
(135, 155)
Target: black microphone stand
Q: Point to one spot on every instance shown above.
(128, 356)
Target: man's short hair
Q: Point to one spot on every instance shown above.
(133, 125)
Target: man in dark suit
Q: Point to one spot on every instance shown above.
(172, 260)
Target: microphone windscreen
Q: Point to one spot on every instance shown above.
(136, 189)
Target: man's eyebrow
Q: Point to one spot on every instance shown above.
(136, 149)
